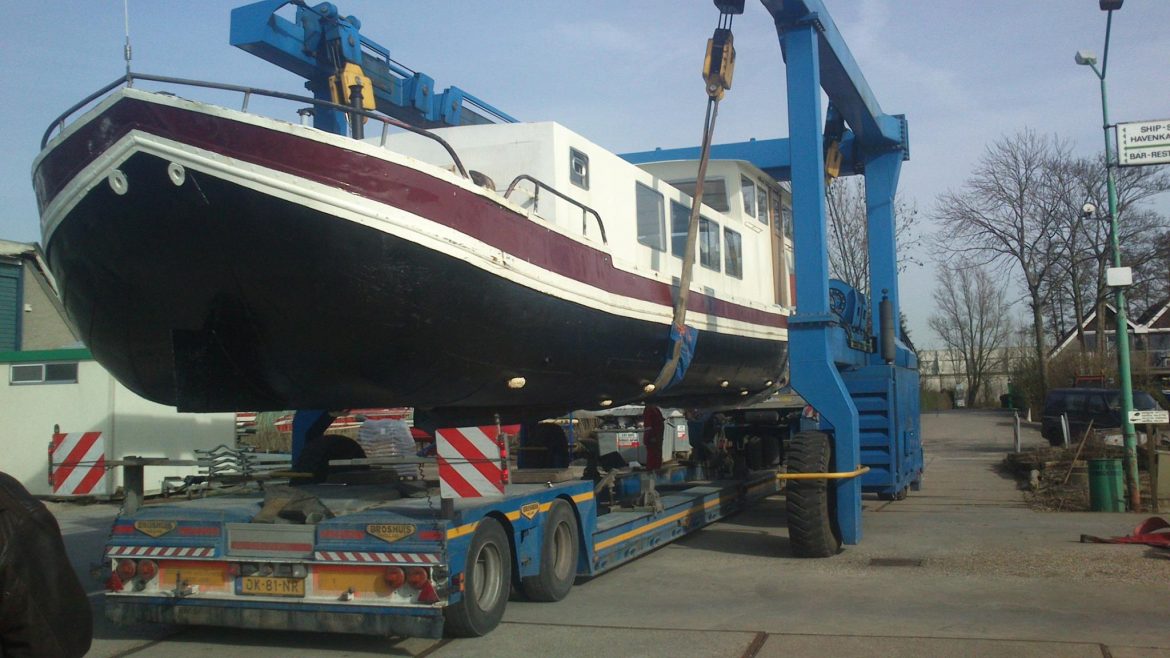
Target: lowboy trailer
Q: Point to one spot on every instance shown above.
(377, 563)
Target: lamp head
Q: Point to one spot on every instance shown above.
(1085, 58)
(1088, 210)
(1110, 5)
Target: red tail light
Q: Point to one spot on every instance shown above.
(233, 569)
(427, 594)
(502, 442)
(114, 583)
(416, 577)
(147, 569)
(394, 577)
(126, 570)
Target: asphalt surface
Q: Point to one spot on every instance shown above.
(961, 568)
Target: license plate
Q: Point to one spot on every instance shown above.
(267, 586)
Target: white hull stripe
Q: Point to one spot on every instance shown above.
(376, 558)
(160, 551)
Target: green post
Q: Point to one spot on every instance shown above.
(1122, 334)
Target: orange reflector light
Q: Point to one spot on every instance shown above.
(126, 569)
(416, 577)
(394, 577)
(147, 569)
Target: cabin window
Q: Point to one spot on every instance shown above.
(733, 265)
(714, 192)
(579, 169)
(748, 191)
(762, 203)
(43, 373)
(708, 244)
(680, 219)
(651, 218)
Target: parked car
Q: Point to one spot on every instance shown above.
(1102, 406)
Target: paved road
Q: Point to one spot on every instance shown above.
(961, 568)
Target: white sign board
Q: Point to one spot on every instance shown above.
(1143, 143)
(1151, 417)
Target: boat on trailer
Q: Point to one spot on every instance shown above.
(214, 259)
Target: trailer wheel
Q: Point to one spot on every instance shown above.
(487, 582)
(811, 503)
(558, 556)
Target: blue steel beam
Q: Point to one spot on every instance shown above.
(881, 187)
(840, 76)
(811, 330)
(258, 30)
(772, 156)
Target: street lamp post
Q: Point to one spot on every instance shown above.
(1085, 58)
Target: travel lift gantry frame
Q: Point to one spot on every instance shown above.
(866, 396)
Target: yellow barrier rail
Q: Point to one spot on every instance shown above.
(861, 470)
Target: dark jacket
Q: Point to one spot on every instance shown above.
(43, 609)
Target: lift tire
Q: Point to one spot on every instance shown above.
(811, 503)
(558, 556)
(487, 582)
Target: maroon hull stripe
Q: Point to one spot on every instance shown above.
(375, 179)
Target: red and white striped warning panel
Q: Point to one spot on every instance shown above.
(380, 558)
(77, 464)
(160, 551)
(473, 461)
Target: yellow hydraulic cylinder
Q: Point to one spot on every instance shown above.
(351, 75)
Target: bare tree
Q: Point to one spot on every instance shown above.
(1077, 284)
(1138, 227)
(1007, 213)
(972, 319)
(848, 256)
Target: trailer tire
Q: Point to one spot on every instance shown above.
(558, 556)
(811, 503)
(487, 581)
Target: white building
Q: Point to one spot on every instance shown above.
(53, 383)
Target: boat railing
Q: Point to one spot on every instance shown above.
(249, 92)
(539, 185)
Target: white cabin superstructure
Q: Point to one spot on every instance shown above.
(744, 253)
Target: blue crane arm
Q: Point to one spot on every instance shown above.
(321, 41)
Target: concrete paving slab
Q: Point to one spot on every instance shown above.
(914, 647)
(1137, 652)
(597, 642)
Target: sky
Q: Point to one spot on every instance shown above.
(626, 74)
